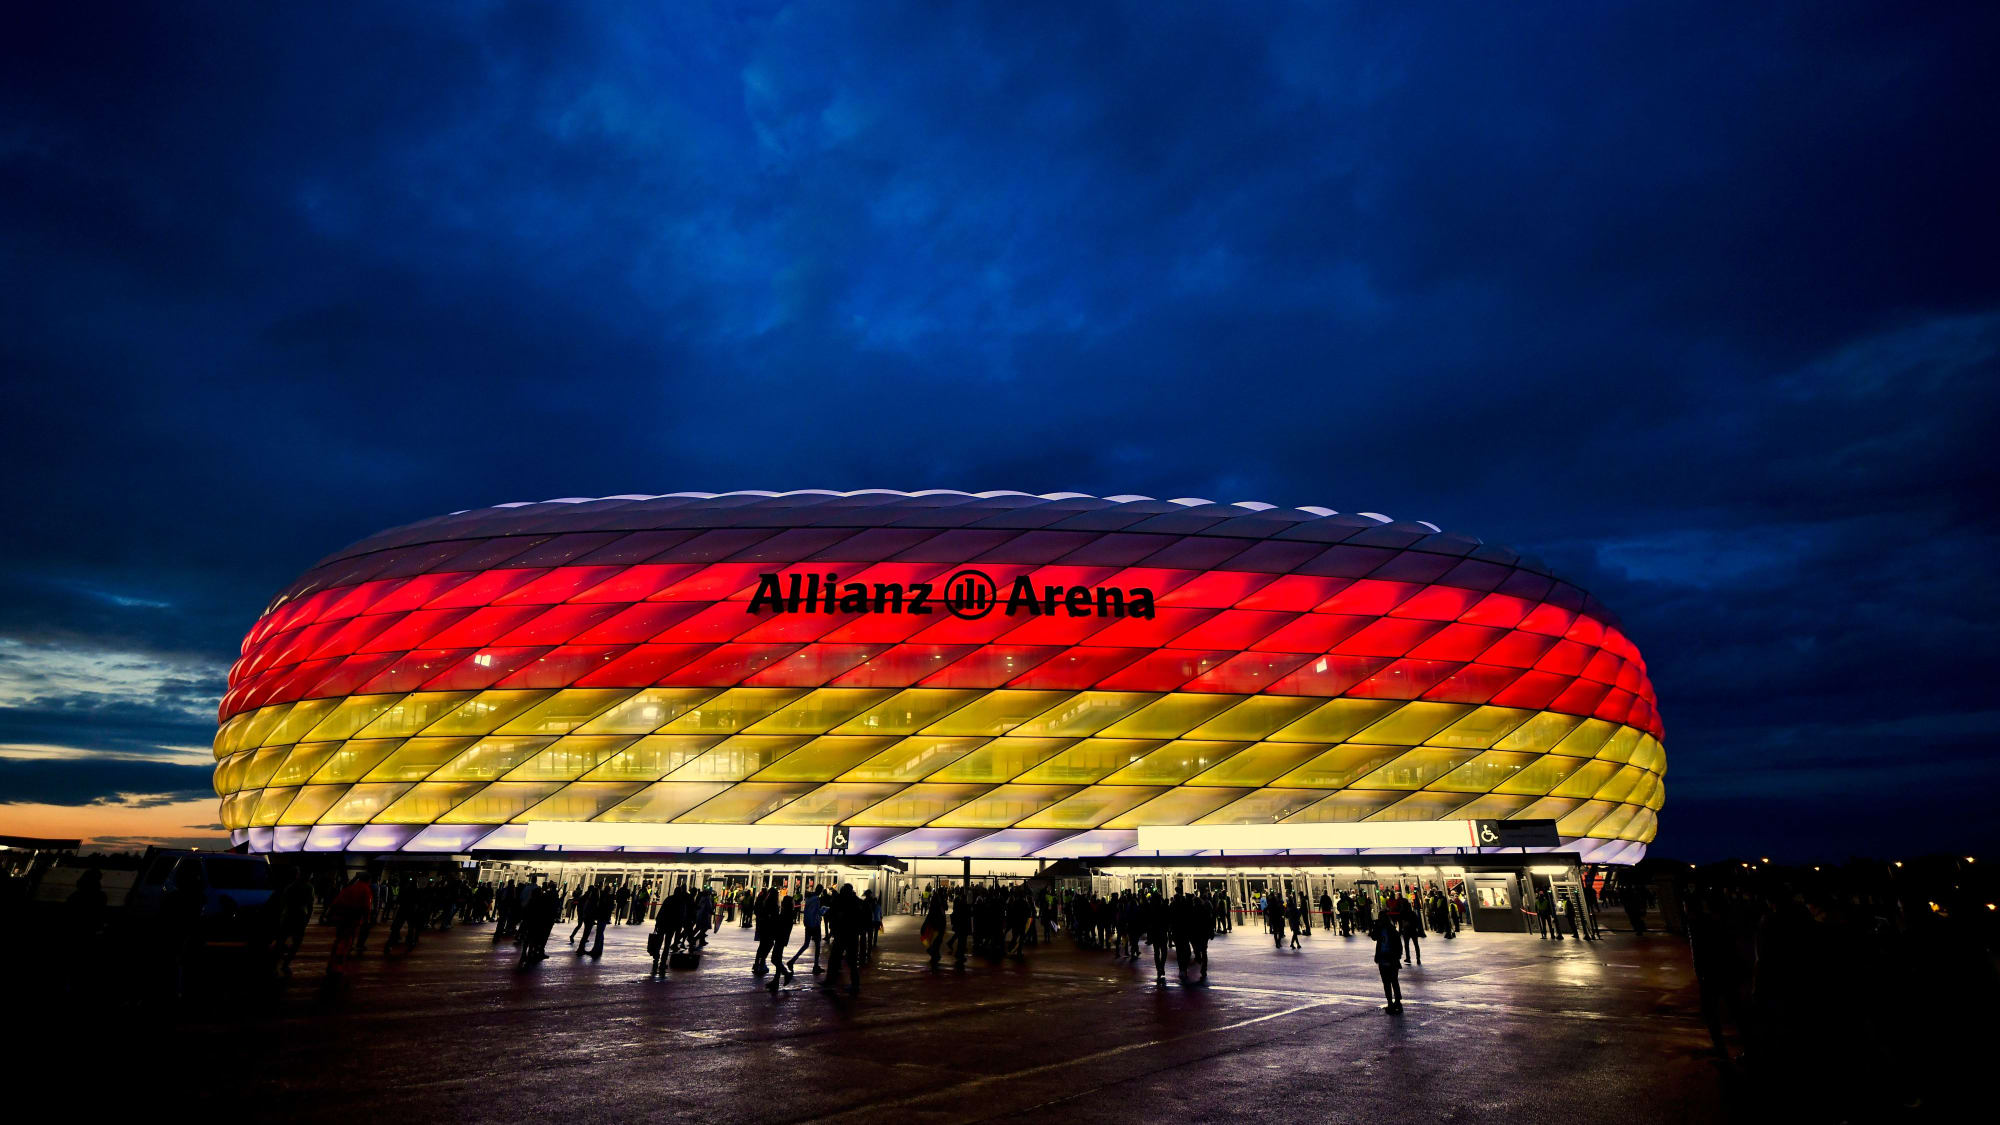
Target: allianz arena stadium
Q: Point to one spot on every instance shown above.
(994, 676)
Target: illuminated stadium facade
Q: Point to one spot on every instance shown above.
(998, 676)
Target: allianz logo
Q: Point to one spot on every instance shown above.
(968, 594)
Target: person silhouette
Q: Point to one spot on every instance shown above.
(1389, 960)
(295, 907)
(777, 919)
(348, 912)
(845, 921)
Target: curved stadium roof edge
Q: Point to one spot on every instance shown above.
(950, 508)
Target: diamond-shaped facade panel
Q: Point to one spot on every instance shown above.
(1047, 667)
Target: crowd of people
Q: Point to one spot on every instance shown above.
(1862, 970)
(392, 906)
(1848, 989)
(841, 928)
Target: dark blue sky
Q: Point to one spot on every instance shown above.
(1697, 302)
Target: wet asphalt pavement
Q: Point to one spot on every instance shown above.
(1496, 1028)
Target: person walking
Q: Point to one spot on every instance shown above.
(504, 902)
(412, 908)
(347, 912)
(1274, 918)
(1545, 910)
(935, 923)
(844, 921)
(1159, 929)
(295, 908)
(811, 914)
(1412, 928)
(1020, 921)
(582, 909)
(1200, 926)
(523, 895)
(961, 925)
(1389, 962)
(766, 911)
(1295, 909)
(777, 919)
(683, 904)
(591, 916)
(702, 921)
(667, 927)
(538, 921)
(1633, 894)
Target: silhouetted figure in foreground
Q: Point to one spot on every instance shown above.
(767, 905)
(811, 913)
(667, 927)
(295, 906)
(961, 926)
(83, 916)
(1158, 928)
(935, 923)
(1389, 961)
(538, 921)
(1634, 897)
(777, 920)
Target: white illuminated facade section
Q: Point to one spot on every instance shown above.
(1306, 837)
(723, 837)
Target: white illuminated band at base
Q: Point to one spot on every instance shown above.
(721, 837)
(1283, 837)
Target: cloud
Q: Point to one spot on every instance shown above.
(120, 827)
(99, 781)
